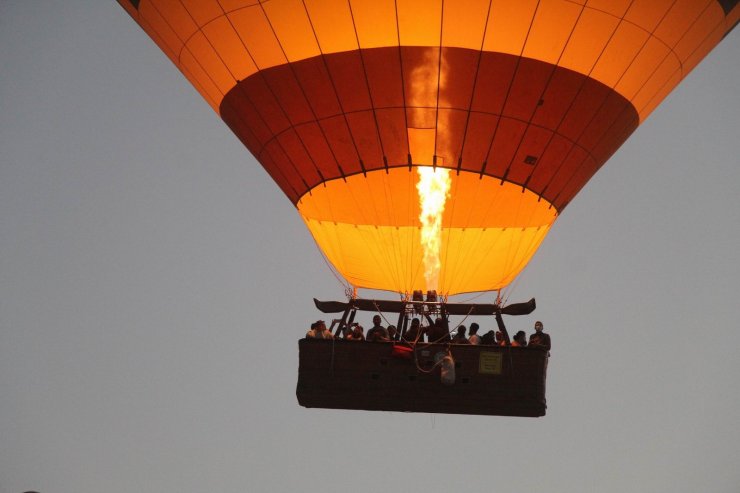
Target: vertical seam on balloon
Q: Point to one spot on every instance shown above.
(177, 52)
(377, 233)
(553, 69)
(641, 28)
(510, 253)
(389, 197)
(182, 48)
(246, 125)
(553, 201)
(439, 78)
(337, 271)
(600, 162)
(367, 84)
(644, 44)
(474, 246)
(496, 200)
(668, 54)
(584, 79)
(331, 80)
(188, 74)
(481, 258)
(185, 47)
(406, 129)
(720, 26)
(289, 64)
(336, 94)
(680, 63)
(403, 81)
(508, 92)
(451, 203)
(472, 91)
(285, 180)
(251, 102)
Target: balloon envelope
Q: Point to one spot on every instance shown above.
(522, 101)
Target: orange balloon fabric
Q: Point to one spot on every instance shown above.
(522, 100)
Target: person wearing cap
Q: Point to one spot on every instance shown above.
(539, 338)
(318, 331)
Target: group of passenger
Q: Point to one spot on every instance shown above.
(437, 332)
(501, 337)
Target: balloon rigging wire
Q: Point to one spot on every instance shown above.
(344, 283)
(475, 297)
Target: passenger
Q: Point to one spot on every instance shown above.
(319, 331)
(414, 331)
(346, 332)
(392, 332)
(377, 332)
(520, 339)
(500, 340)
(439, 332)
(488, 339)
(311, 334)
(460, 336)
(504, 340)
(474, 338)
(357, 334)
(539, 338)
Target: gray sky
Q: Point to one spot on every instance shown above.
(154, 282)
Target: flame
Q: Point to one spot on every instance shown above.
(434, 188)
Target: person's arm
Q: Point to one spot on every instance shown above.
(502, 328)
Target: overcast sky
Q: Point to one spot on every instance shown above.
(154, 282)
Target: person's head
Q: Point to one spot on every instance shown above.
(320, 325)
(415, 322)
(474, 328)
(358, 330)
(461, 331)
(538, 326)
(313, 326)
(520, 337)
(376, 320)
(392, 331)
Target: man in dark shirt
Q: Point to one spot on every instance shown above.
(439, 332)
(460, 336)
(414, 332)
(539, 338)
(377, 333)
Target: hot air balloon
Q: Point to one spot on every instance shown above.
(430, 145)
